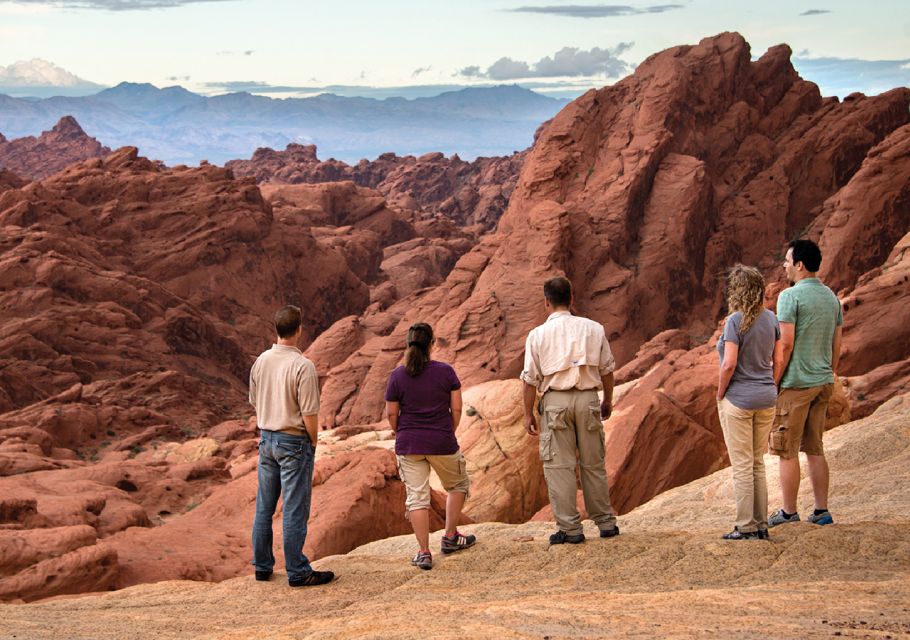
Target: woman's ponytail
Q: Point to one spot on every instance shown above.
(420, 337)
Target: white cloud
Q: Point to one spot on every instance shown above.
(567, 62)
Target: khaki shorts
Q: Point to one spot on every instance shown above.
(799, 421)
(414, 471)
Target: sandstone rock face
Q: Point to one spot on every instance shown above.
(507, 483)
(36, 158)
(468, 193)
(643, 193)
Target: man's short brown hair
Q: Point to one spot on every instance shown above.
(558, 291)
(287, 321)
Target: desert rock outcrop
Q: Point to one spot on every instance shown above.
(37, 157)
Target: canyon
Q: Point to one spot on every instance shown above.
(134, 297)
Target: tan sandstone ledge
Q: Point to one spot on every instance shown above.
(667, 575)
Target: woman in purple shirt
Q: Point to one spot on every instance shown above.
(423, 399)
(746, 395)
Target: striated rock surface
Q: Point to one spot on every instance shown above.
(38, 157)
(468, 193)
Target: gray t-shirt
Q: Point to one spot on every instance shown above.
(752, 385)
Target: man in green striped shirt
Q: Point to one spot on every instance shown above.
(810, 319)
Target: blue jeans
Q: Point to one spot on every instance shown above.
(285, 466)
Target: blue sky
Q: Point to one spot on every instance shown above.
(206, 44)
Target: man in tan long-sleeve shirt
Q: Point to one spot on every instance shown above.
(568, 360)
(285, 391)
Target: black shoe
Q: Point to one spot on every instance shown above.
(263, 576)
(313, 579)
(736, 534)
(609, 533)
(763, 534)
(561, 537)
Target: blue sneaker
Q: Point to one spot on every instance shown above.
(822, 518)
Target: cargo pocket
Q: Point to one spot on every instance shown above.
(594, 421)
(556, 417)
(546, 446)
(778, 439)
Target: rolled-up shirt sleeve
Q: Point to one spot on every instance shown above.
(308, 390)
(531, 373)
(253, 389)
(607, 362)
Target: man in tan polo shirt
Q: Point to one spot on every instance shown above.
(285, 391)
(568, 360)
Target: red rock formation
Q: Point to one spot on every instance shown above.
(643, 193)
(467, 193)
(39, 157)
(134, 298)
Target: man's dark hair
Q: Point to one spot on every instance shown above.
(287, 321)
(808, 253)
(558, 291)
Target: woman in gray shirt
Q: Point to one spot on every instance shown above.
(746, 396)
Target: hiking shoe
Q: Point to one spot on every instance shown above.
(263, 576)
(609, 533)
(423, 559)
(823, 518)
(312, 579)
(779, 517)
(457, 542)
(561, 537)
(736, 534)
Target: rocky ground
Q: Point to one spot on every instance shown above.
(668, 574)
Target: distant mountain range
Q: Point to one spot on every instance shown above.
(178, 126)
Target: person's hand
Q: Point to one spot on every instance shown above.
(531, 425)
(606, 409)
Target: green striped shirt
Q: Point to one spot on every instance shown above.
(816, 312)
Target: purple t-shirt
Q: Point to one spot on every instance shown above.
(425, 416)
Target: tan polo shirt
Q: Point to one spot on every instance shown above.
(567, 352)
(283, 388)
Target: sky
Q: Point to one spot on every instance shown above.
(293, 47)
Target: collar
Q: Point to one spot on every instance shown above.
(284, 347)
(808, 281)
(558, 314)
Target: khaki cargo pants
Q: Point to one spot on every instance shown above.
(571, 434)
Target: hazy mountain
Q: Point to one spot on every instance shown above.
(178, 126)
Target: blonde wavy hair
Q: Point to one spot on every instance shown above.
(745, 293)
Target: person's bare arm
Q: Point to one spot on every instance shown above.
(312, 427)
(606, 405)
(783, 350)
(455, 404)
(393, 408)
(835, 348)
(727, 367)
(530, 397)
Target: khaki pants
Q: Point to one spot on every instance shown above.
(571, 434)
(414, 471)
(746, 434)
